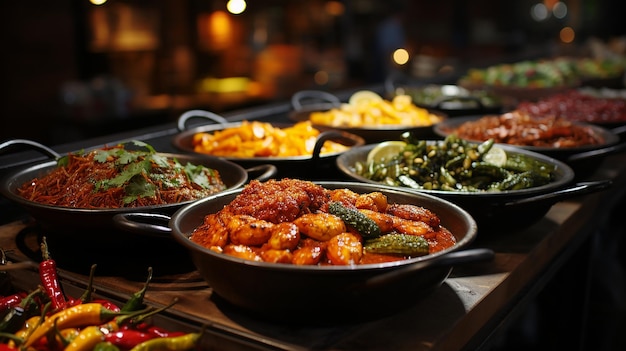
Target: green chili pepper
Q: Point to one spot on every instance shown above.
(105, 346)
(175, 343)
(136, 300)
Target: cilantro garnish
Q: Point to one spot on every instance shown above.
(139, 187)
(137, 166)
(197, 174)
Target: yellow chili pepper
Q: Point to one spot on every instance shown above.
(75, 316)
(30, 325)
(90, 336)
(87, 338)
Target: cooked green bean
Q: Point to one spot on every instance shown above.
(454, 164)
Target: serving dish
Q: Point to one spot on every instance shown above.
(527, 80)
(451, 99)
(69, 229)
(583, 159)
(310, 101)
(69, 219)
(604, 107)
(340, 294)
(496, 211)
(288, 166)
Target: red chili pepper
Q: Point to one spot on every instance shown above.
(11, 300)
(162, 332)
(152, 329)
(5, 347)
(108, 304)
(127, 339)
(49, 276)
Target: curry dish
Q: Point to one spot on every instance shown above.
(522, 129)
(299, 222)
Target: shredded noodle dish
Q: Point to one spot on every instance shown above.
(115, 177)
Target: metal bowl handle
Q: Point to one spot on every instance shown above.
(213, 117)
(479, 105)
(567, 192)
(448, 259)
(143, 223)
(266, 171)
(605, 151)
(335, 135)
(313, 95)
(31, 145)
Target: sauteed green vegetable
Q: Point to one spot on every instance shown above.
(454, 164)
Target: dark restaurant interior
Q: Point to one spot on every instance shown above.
(73, 70)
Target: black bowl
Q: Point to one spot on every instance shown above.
(500, 211)
(278, 291)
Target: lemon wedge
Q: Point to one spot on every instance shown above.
(364, 97)
(385, 151)
(496, 156)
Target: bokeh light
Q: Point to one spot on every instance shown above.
(539, 12)
(400, 56)
(236, 6)
(567, 34)
(559, 10)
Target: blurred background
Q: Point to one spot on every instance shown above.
(75, 69)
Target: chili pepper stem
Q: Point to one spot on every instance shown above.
(136, 300)
(87, 295)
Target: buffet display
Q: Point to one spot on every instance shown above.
(364, 211)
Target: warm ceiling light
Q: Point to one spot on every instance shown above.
(400, 56)
(97, 2)
(334, 8)
(567, 34)
(236, 6)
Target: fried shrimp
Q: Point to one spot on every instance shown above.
(375, 201)
(345, 196)
(285, 236)
(383, 220)
(212, 233)
(320, 226)
(242, 251)
(310, 252)
(407, 226)
(247, 230)
(414, 213)
(344, 249)
(276, 256)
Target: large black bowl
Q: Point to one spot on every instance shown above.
(302, 112)
(289, 166)
(69, 230)
(502, 211)
(343, 293)
(583, 159)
